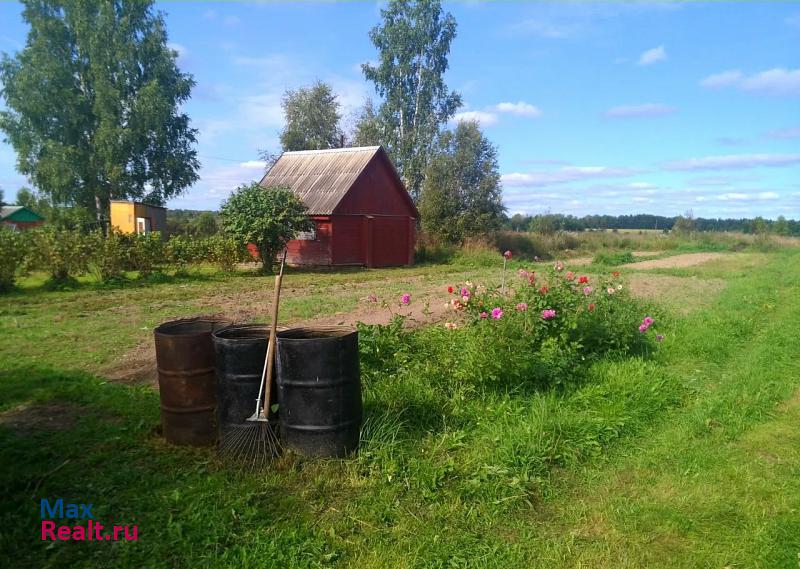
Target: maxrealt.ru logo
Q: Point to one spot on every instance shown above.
(77, 523)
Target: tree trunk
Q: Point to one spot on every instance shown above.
(267, 260)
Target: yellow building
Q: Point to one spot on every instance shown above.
(135, 217)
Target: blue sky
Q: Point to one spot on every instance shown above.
(594, 107)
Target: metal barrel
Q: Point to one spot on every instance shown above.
(186, 380)
(319, 390)
(240, 353)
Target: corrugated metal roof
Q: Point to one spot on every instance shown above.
(320, 178)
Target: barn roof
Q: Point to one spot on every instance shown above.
(321, 178)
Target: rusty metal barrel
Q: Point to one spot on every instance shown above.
(186, 380)
(319, 390)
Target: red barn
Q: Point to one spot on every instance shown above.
(362, 213)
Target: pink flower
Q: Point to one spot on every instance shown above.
(405, 299)
(464, 291)
(548, 313)
(465, 299)
(559, 266)
(484, 315)
(497, 313)
(569, 276)
(524, 273)
(507, 255)
(522, 306)
(648, 321)
(587, 290)
(659, 337)
(611, 290)
(643, 328)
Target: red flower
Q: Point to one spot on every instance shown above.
(591, 307)
(615, 274)
(507, 255)
(450, 289)
(543, 290)
(583, 279)
(532, 278)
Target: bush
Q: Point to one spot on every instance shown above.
(182, 251)
(146, 252)
(63, 254)
(618, 258)
(226, 252)
(13, 251)
(544, 332)
(109, 256)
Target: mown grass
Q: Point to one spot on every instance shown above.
(679, 459)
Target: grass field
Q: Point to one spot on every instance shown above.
(688, 457)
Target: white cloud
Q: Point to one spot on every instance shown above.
(653, 55)
(564, 175)
(734, 161)
(768, 196)
(724, 79)
(482, 117)
(776, 82)
(253, 165)
(519, 108)
(645, 110)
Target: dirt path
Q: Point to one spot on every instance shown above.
(676, 261)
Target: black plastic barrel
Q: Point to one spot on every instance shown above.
(186, 380)
(319, 390)
(240, 353)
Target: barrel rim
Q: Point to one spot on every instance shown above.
(189, 327)
(316, 333)
(242, 332)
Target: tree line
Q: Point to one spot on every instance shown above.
(549, 223)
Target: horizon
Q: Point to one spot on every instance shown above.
(596, 108)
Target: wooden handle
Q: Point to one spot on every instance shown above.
(272, 333)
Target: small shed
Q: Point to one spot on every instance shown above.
(136, 217)
(361, 210)
(19, 218)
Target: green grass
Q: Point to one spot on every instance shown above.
(687, 458)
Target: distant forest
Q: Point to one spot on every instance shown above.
(205, 223)
(549, 223)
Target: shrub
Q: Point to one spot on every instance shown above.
(618, 258)
(226, 251)
(146, 252)
(544, 332)
(63, 254)
(266, 217)
(109, 255)
(13, 251)
(182, 251)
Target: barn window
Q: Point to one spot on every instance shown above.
(307, 235)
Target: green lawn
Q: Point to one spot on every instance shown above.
(688, 458)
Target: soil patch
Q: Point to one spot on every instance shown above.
(29, 418)
(676, 261)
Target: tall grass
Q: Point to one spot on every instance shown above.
(529, 246)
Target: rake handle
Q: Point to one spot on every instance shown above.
(276, 297)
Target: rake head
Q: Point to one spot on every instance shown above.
(253, 444)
